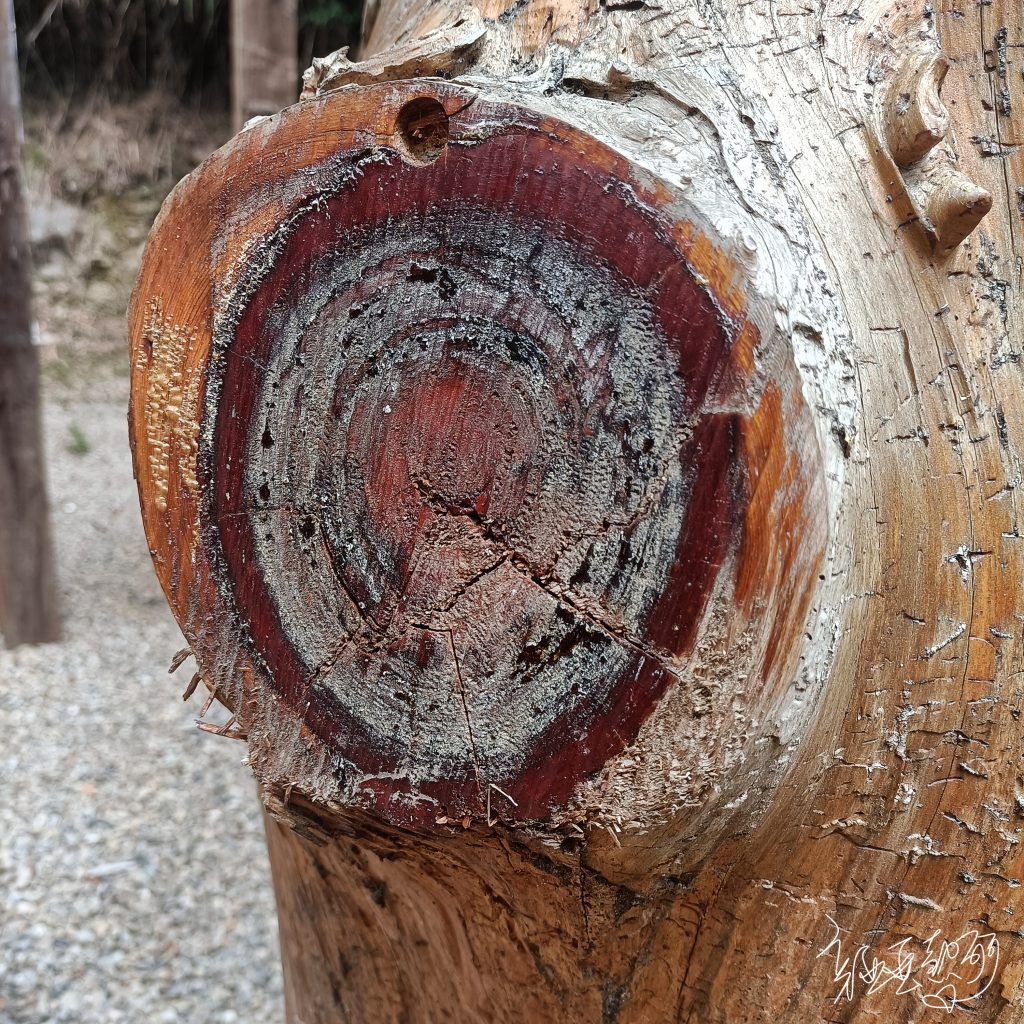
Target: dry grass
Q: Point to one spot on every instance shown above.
(96, 177)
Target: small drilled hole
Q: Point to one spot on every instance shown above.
(422, 130)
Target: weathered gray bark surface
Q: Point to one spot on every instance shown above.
(28, 608)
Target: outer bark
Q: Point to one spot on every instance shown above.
(810, 789)
(28, 607)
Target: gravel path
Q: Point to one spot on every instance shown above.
(134, 884)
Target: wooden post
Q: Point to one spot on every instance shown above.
(28, 605)
(264, 57)
(581, 445)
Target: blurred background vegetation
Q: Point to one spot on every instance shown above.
(121, 99)
(77, 50)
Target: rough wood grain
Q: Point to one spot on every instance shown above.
(830, 784)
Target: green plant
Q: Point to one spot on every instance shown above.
(79, 443)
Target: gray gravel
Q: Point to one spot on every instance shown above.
(134, 884)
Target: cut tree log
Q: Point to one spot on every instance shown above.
(28, 602)
(590, 482)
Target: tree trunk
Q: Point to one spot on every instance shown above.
(28, 606)
(581, 446)
(264, 57)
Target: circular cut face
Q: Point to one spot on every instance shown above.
(470, 461)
